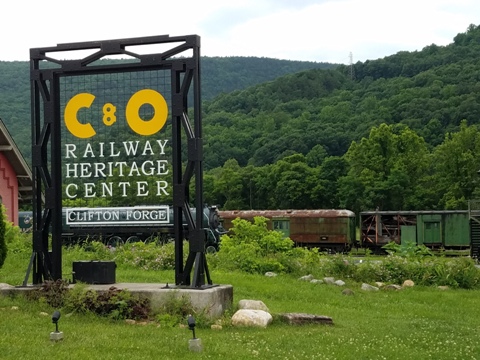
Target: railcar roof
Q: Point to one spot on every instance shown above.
(315, 213)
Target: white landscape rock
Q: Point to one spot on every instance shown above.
(367, 287)
(252, 305)
(339, 282)
(306, 278)
(251, 318)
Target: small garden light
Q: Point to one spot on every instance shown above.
(191, 324)
(56, 335)
(194, 344)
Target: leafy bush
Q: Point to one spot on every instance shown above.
(176, 309)
(253, 248)
(3, 243)
(12, 239)
(459, 272)
(148, 256)
(338, 266)
(20, 243)
(94, 250)
(52, 292)
(113, 303)
(432, 271)
(409, 249)
(301, 261)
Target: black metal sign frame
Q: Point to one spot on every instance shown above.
(46, 259)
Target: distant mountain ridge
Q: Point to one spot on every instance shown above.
(259, 110)
(218, 75)
(227, 74)
(431, 91)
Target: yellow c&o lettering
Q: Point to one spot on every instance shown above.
(157, 101)
(78, 129)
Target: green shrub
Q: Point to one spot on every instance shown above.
(458, 272)
(301, 261)
(409, 250)
(253, 248)
(94, 250)
(369, 271)
(52, 292)
(12, 239)
(3, 243)
(148, 256)
(338, 266)
(113, 303)
(177, 308)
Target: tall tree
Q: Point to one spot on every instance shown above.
(296, 184)
(229, 184)
(457, 162)
(384, 170)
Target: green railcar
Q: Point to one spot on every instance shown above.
(446, 229)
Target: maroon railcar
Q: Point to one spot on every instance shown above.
(325, 229)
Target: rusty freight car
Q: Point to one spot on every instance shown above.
(332, 230)
(447, 229)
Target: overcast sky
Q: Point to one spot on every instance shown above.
(310, 30)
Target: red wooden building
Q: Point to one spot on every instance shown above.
(15, 176)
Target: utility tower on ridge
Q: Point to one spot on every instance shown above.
(352, 69)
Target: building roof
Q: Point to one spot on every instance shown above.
(20, 166)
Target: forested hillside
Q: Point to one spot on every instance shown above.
(429, 91)
(401, 134)
(394, 133)
(219, 75)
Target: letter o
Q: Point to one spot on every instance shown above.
(157, 101)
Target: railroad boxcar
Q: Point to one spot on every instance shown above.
(440, 229)
(332, 230)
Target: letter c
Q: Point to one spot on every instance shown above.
(75, 127)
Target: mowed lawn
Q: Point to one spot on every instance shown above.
(413, 323)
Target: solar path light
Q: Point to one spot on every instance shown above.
(56, 335)
(194, 344)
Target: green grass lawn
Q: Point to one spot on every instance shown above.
(414, 323)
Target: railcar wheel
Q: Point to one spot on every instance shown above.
(114, 241)
(160, 239)
(133, 239)
(211, 249)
